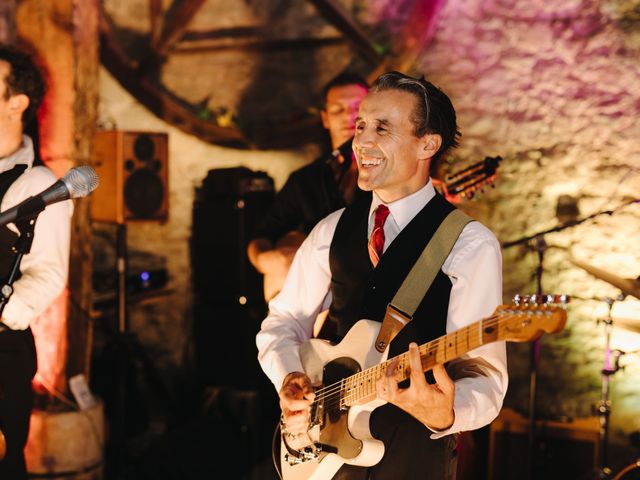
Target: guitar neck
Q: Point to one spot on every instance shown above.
(360, 387)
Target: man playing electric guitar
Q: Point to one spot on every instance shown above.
(357, 258)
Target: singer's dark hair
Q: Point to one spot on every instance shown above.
(433, 112)
(340, 80)
(24, 78)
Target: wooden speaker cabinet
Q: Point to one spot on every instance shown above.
(563, 450)
(133, 171)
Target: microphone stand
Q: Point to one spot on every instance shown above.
(569, 224)
(21, 248)
(534, 359)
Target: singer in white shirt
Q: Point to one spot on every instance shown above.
(44, 270)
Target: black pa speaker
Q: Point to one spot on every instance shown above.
(228, 298)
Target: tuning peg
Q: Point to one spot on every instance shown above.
(551, 299)
(564, 299)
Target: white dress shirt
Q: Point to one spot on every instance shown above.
(45, 268)
(474, 267)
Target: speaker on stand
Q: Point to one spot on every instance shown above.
(228, 294)
(229, 305)
(133, 168)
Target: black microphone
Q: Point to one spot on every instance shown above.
(77, 182)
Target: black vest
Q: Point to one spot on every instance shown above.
(7, 237)
(359, 291)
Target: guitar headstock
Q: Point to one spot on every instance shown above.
(468, 181)
(530, 316)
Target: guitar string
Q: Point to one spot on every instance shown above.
(433, 344)
(327, 394)
(368, 377)
(373, 373)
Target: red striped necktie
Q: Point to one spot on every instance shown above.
(376, 242)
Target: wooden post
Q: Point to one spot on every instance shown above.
(7, 22)
(64, 33)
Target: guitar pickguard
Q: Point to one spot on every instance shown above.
(334, 428)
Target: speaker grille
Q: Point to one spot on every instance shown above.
(143, 147)
(144, 193)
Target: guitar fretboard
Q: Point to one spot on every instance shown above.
(361, 387)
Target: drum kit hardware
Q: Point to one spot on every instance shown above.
(612, 357)
(628, 287)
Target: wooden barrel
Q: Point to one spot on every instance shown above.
(66, 445)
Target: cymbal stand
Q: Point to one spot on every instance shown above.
(611, 366)
(541, 246)
(534, 360)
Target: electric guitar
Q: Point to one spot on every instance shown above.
(344, 378)
(460, 185)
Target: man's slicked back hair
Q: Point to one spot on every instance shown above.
(434, 112)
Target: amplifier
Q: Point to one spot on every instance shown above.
(563, 449)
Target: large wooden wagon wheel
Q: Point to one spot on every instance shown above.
(247, 74)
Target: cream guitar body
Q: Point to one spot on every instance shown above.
(348, 434)
(344, 376)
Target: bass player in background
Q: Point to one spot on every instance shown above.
(403, 125)
(313, 191)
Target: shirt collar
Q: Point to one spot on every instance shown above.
(403, 210)
(23, 155)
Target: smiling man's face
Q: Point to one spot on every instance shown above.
(391, 159)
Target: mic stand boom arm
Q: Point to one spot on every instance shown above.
(534, 359)
(569, 224)
(21, 248)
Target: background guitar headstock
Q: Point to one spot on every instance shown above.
(468, 181)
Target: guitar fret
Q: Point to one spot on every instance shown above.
(466, 339)
(362, 385)
(509, 323)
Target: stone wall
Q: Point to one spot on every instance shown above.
(551, 87)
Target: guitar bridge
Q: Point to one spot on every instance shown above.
(296, 457)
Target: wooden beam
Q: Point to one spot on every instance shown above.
(335, 14)
(159, 101)
(7, 21)
(155, 20)
(176, 21)
(265, 45)
(65, 35)
(224, 33)
(414, 39)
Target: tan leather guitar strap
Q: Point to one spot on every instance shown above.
(414, 287)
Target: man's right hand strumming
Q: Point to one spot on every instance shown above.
(296, 396)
